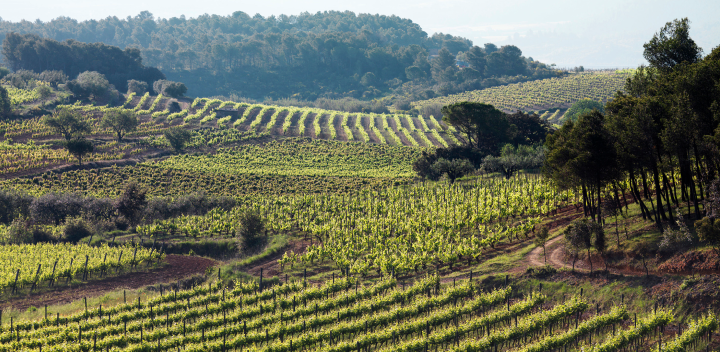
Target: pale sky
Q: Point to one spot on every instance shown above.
(569, 33)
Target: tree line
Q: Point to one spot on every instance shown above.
(309, 56)
(81, 216)
(667, 121)
(659, 141)
(33, 53)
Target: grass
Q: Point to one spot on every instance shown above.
(277, 243)
(109, 299)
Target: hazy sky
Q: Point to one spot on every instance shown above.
(607, 33)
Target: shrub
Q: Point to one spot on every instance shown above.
(252, 229)
(43, 91)
(132, 202)
(540, 271)
(55, 78)
(75, 229)
(40, 234)
(18, 232)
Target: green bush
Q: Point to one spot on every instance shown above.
(75, 229)
(252, 229)
(17, 233)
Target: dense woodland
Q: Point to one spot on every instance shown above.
(33, 53)
(309, 56)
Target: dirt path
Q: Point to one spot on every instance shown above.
(270, 265)
(554, 253)
(178, 267)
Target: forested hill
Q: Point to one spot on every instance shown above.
(328, 54)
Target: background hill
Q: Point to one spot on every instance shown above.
(327, 54)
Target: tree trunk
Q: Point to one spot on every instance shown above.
(638, 198)
(585, 200)
(617, 233)
(646, 190)
(599, 202)
(658, 193)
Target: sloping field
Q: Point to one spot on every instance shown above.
(541, 95)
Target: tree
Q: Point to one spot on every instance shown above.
(708, 228)
(131, 202)
(43, 91)
(368, 79)
(4, 103)
(175, 89)
(600, 244)
(581, 107)
(93, 85)
(582, 235)
(612, 207)
(454, 169)
(476, 57)
(530, 128)
(54, 77)
(137, 87)
(424, 165)
(169, 88)
(541, 239)
(414, 73)
(484, 126)
(79, 148)
(672, 46)
(120, 121)
(583, 154)
(68, 123)
(177, 137)
(512, 160)
(443, 66)
(252, 228)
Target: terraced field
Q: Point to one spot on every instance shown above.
(282, 121)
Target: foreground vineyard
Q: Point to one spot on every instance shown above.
(551, 93)
(342, 315)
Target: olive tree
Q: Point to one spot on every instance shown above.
(177, 137)
(120, 121)
(67, 123)
(79, 148)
